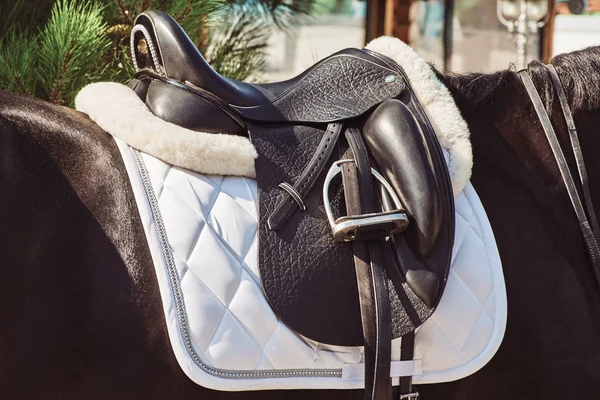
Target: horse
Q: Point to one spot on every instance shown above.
(80, 310)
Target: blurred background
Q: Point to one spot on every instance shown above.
(456, 35)
(52, 48)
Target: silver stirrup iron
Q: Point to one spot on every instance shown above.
(364, 226)
(410, 396)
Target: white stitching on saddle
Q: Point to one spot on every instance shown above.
(146, 34)
(294, 194)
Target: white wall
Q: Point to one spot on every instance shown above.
(574, 32)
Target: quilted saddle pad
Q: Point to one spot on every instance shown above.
(202, 232)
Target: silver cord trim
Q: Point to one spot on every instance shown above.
(151, 48)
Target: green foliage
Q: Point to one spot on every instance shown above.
(235, 58)
(71, 48)
(17, 72)
(52, 48)
(332, 6)
(22, 14)
(281, 13)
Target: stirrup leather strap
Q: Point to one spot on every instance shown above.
(370, 275)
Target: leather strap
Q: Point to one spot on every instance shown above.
(370, 275)
(311, 173)
(589, 237)
(576, 146)
(407, 351)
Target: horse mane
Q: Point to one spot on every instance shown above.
(579, 72)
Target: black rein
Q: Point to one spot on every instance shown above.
(589, 230)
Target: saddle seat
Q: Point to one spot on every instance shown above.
(179, 59)
(184, 89)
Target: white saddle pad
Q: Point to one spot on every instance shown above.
(202, 232)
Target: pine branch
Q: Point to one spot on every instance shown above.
(86, 41)
(20, 15)
(145, 5)
(22, 88)
(237, 50)
(284, 14)
(17, 62)
(186, 11)
(119, 31)
(71, 47)
(56, 94)
(194, 15)
(124, 13)
(203, 34)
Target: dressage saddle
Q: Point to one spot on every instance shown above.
(356, 214)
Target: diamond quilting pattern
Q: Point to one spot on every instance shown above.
(247, 308)
(217, 267)
(211, 223)
(203, 326)
(234, 228)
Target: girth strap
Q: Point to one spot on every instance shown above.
(407, 351)
(589, 236)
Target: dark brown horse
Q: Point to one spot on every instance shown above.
(80, 312)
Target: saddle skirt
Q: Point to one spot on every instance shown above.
(201, 228)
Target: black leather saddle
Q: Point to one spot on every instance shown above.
(356, 214)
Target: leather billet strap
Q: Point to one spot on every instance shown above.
(311, 173)
(407, 352)
(370, 274)
(590, 238)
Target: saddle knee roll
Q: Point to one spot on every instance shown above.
(398, 145)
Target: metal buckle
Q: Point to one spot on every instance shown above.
(365, 226)
(410, 396)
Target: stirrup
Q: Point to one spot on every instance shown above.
(409, 396)
(364, 226)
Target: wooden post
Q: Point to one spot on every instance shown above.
(400, 23)
(376, 10)
(392, 18)
(547, 37)
(447, 35)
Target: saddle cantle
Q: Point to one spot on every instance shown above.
(381, 272)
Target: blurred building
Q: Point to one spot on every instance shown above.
(468, 35)
(457, 35)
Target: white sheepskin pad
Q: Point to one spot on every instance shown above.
(119, 111)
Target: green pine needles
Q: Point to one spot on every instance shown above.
(51, 49)
(71, 48)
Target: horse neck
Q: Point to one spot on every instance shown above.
(506, 130)
(515, 172)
